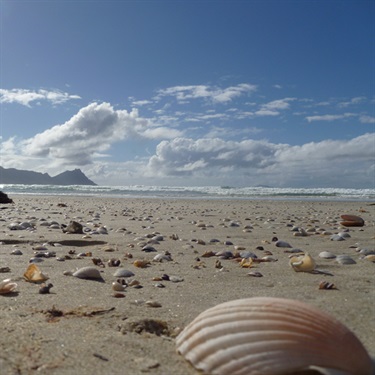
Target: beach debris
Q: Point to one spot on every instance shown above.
(352, 221)
(119, 285)
(165, 257)
(33, 274)
(291, 335)
(4, 269)
(327, 255)
(370, 257)
(141, 263)
(7, 286)
(153, 303)
(337, 237)
(118, 295)
(255, 274)
(108, 248)
(45, 288)
(89, 273)
(345, 259)
(16, 252)
(327, 285)
(113, 262)
(302, 263)
(246, 262)
(122, 272)
(72, 227)
(280, 243)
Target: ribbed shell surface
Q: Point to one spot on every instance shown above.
(270, 336)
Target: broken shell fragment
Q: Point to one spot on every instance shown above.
(33, 274)
(7, 286)
(271, 336)
(89, 273)
(119, 285)
(327, 285)
(44, 289)
(302, 263)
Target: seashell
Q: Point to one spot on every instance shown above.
(34, 275)
(246, 263)
(16, 252)
(148, 249)
(108, 248)
(73, 227)
(270, 336)
(255, 274)
(44, 289)
(302, 263)
(7, 286)
(122, 272)
(337, 237)
(345, 259)
(141, 263)
(370, 258)
(88, 273)
(327, 255)
(352, 221)
(327, 285)
(162, 258)
(282, 244)
(119, 285)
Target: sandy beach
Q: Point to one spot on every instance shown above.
(80, 327)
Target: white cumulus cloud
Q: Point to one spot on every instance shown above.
(26, 97)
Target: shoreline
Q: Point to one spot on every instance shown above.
(97, 333)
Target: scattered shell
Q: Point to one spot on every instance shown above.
(34, 275)
(4, 269)
(73, 227)
(7, 286)
(44, 289)
(16, 252)
(327, 285)
(89, 273)
(302, 263)
(327, 255)
(370, 258)
(141, 263)
(282, 244)
(176, 279)
(270, 336)
(121, 272)
(153, 304)
(337, 237)
(345, 259)
(352, 221)
(119, 285)
(246, 263)
(255, 274)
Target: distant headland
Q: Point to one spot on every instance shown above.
(16, 176)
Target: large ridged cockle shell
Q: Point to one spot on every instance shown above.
(7, 286)
(352, 221)
(271, 336)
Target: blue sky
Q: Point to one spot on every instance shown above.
(239, 93)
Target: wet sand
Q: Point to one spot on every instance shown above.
(81, 328)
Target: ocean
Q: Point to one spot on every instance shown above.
(194, 192)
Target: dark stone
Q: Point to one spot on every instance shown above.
(4, 198)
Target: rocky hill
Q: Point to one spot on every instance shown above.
(17, 176)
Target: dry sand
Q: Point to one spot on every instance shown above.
(80, 328)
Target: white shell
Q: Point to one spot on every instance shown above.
(90, 273)
(302, 263)
(7, 286)
(270, 336)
